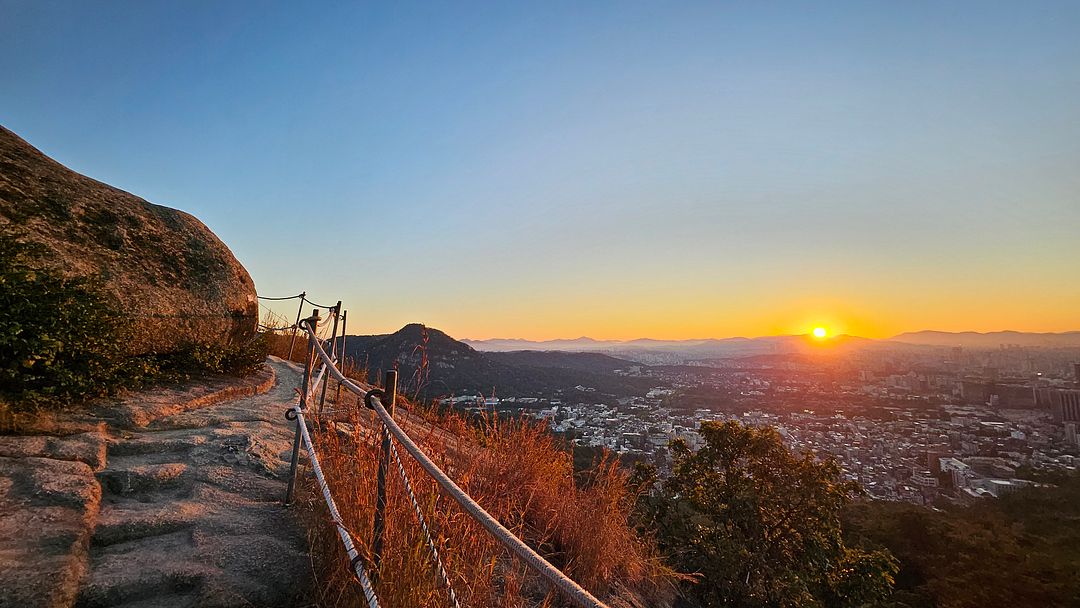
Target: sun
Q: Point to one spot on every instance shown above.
(820, 332)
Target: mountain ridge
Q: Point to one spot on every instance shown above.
(922, 338)
(432, 363)
(991, 339)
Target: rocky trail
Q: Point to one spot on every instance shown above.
(174, 500)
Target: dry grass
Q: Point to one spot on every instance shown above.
(517, 471)
(519, 474)
(278, 343)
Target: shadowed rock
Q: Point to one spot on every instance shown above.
(174, 278)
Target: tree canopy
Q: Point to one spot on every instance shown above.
(760, 526)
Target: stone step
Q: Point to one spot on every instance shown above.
(157, 443)
(140, 478)
(175, 600)
(142, 569)
(146, 584)
(128, 521)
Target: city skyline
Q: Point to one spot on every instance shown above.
(616, 171)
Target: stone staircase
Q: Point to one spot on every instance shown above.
(190, 509)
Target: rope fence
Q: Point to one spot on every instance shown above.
(303, 436)
(269, 299)
(355, 560)
(373, 399)
(334, 313)
(436, 560)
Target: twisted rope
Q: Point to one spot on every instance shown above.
(346, 539)
(269, 328)
(427, 533)
(280, 299)
(318, 305)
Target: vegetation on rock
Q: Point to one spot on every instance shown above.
(59, 337)
(62, 339)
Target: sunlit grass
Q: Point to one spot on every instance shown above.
(518, 472)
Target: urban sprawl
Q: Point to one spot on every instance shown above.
(926, 429)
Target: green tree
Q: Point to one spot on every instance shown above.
(59, 337)
(760, 526)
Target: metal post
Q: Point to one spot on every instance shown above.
(333, 351)
(341, 356)
(299, 311)
(296, 439)
(390, 394)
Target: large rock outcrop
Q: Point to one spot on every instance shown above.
(174, 278)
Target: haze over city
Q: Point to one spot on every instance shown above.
(617, 171)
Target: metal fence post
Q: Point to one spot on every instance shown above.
(299, 311)
(333, 351)
(296, 439)
(390, 394)
(341, 355)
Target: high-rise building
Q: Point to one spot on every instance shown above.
(1070, 434)
(1063, 403)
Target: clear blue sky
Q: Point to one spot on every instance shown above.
(554, 169)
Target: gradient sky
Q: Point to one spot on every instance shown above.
(549, 169)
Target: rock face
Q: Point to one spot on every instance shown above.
(175, 279)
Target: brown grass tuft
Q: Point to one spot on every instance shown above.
(518, 472)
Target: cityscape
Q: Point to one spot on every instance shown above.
(947, 427)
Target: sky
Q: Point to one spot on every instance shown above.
(617, 170)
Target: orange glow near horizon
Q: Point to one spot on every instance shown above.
(559, 323)
(701, 312)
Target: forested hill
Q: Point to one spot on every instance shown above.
(1022, 550)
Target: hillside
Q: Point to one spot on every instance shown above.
(453, 367)
(590, 362)
(1021, 550)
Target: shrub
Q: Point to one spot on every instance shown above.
(60, 338)
(63, 339)
(235, 360)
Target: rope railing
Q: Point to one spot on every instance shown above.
(332, 307)
(307, 395)
(574, 592)
(355, 560)
(263, 327)
(335, 314)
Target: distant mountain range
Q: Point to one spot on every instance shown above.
(704, 347)
(432, 362)
(994, 339)
(739, 346)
